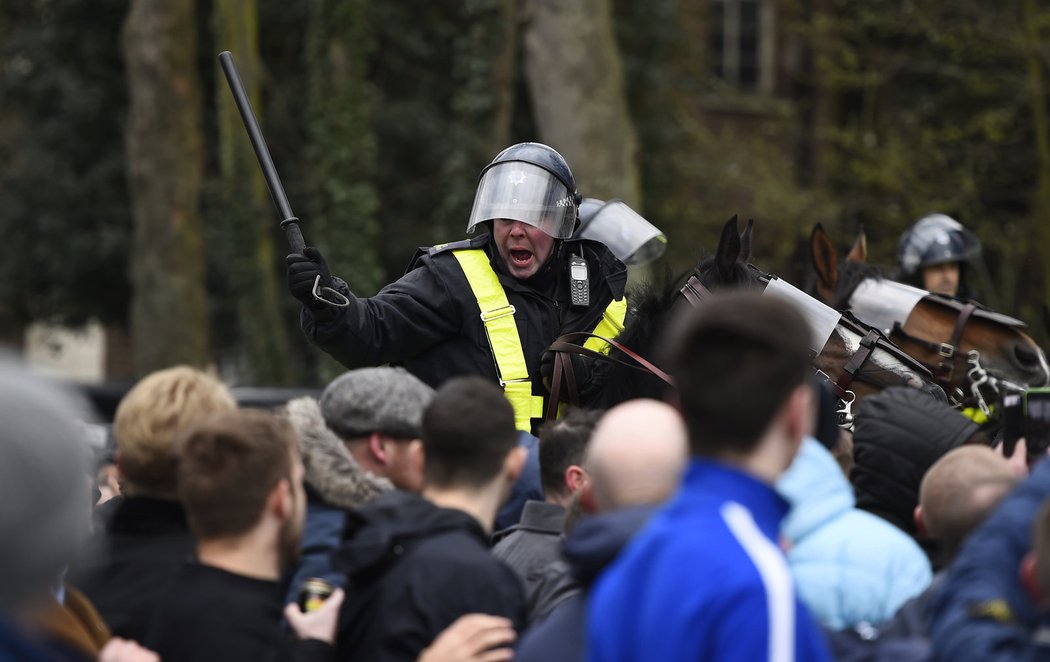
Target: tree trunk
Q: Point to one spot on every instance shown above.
(576, 81)
(263, 337)
(504, 73)
(1040, 215)
(169, 319)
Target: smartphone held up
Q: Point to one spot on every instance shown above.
(1027, 415)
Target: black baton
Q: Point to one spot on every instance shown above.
(290, 224)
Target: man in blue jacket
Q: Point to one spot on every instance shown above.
(705, 580)
(982, 611)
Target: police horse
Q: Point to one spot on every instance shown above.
(855, 358)
(975, 354)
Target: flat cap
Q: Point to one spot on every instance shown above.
(367, 400)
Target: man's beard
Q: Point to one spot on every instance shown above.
(288, 543)
(574, 513)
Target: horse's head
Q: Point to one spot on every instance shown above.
(971, 351)
(1003, 349)
(654, 305)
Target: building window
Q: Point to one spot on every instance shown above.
(742, 44)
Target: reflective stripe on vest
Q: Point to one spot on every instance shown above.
(498, 317)
(609, 326)
(502, 331)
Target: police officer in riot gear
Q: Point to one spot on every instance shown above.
(934, 252)
(489, 305)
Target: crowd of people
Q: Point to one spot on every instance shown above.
(425, 511)
(718, 527)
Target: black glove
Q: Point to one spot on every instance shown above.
(303, 270)
(581, 371)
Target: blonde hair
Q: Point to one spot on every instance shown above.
(151, 416)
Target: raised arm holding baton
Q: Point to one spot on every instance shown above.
(308, 276)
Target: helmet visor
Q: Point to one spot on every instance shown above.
(631, 238)
(520, 191)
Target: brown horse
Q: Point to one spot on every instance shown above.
(974, 354)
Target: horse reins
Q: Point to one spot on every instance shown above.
(572, 343)
(694, 291)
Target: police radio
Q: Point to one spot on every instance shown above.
(579, 283)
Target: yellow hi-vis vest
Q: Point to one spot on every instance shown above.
(498, 317)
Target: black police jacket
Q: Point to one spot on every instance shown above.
(429, 319)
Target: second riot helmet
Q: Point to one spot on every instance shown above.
(631, 238)
(935, 239)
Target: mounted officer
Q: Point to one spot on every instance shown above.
(933, 254)
(489, 305)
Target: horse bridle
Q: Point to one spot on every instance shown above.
(951, 354)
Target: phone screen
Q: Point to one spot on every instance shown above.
(1037, 423)
(579, 272)
(1013, 422)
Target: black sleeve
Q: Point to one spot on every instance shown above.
(404, 319)
(313, 650)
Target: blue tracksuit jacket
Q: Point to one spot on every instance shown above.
(705, 580)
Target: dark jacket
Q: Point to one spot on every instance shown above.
(429, 319)
(412, 569)
(532, 545)
(898, 435)
(17, 644)
(903, 638)
(591, 546)
(132, 560)
(212, 614)
(981, 612)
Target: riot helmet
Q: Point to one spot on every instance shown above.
(935, 239)
(531, 183)
(631, 238)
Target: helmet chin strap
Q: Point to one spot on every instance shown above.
(555, 257)
(558, 252)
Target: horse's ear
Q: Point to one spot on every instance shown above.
(728, 249)
(745, 242)
(825, 262)
(859, 252)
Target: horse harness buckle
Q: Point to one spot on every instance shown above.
(845, 415)
(978, 377)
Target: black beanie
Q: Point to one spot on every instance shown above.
(898, 434)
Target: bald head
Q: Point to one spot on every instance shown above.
(960, 490)
(636, 455)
